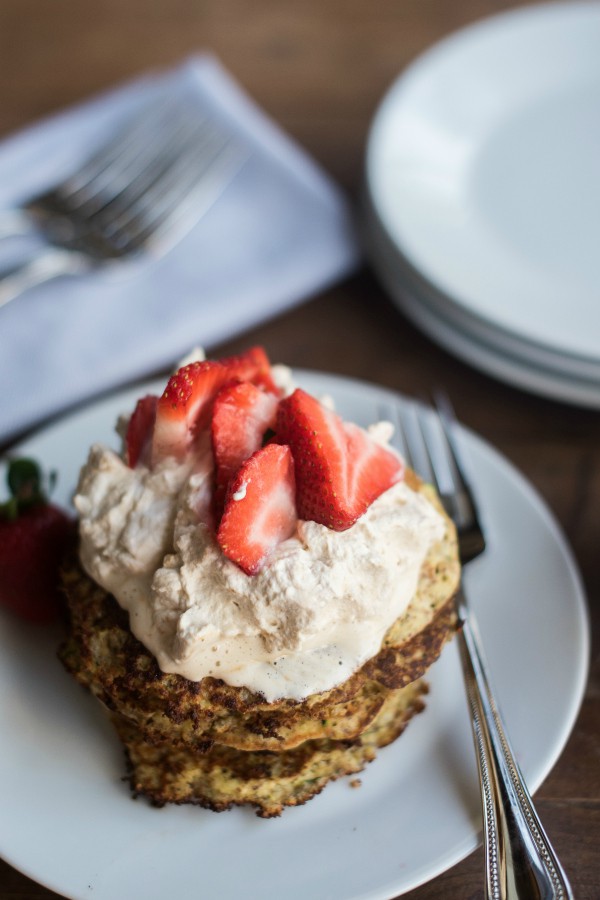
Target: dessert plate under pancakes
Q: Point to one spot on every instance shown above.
(68, 820)
(483, 174)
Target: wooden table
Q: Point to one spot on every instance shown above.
(319, 68)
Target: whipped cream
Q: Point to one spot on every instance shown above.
(316, 612)
(306, 622)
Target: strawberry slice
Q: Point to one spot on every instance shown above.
(339, 469)
(252, 365)
(186, 405)
(260, 510)
(138, 440)
(242, 413)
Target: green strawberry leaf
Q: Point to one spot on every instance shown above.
(24, 479)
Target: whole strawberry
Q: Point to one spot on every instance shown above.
(34, 536)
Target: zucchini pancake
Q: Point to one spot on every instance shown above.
(259, 590)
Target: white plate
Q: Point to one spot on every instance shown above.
(484, 165)
(384, 253)
(489, 350)
(68, 820)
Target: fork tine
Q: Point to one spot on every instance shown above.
(409, 438)
(416, 455)
(135, 131)
(185, 163)
(430, 448)
(119, 148)
(191, 185)
(391, 412)
(425, 454)
(464, 508)
(103, 211)
(448, 423)
(128, 173)
(149, 150)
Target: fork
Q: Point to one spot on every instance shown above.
(519, 859)
(141, 191)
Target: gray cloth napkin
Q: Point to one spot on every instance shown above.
(280, 232)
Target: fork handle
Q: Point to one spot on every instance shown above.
(49, 264)
(519, 859)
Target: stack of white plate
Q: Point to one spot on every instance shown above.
(483, 197)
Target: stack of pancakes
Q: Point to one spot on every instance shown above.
(216, 745)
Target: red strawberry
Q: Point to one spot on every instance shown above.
(182, 410)
(186, 404)
(138, 440)
(252, 365)
(242, 413)
(34, 536)
(260, 511)
(339, 469)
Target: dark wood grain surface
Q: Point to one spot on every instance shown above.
(319, 68)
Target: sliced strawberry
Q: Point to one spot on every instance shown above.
(184, 408)
(260, 510)
(254, 366)
(241, 415)
(138, 440)
(339, 469)
(202, 481)
(186, 405)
